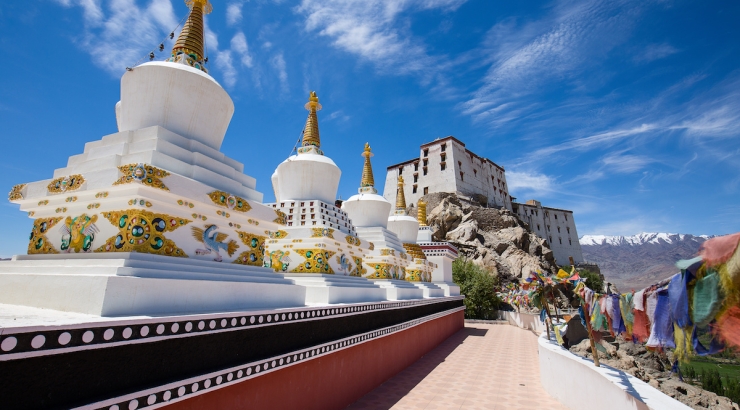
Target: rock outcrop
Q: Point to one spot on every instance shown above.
(493, 238)
(654, 369)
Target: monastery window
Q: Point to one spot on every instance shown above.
(443, 166)
(426, 162)
(311, 205)
(462, 178)
(426, 152)
(312, 210)
(303, 210)
(400, 171)
(303, 203)
(426, 190)
(475, 172)
(282, 205)
(425, 171)
(292, 204)
(567, 228)
(566, 217)
(416, 177)
(548, 227)
(303, 216)
(561, 240)
(290, 223)
(274, 205)
(570, 242)
(290, 217)
(442, 157)
(459, 164)
(444, 147)
(303, 222)
(335, 214)
(414, 189)
(314, 223)
(538, 227)
(558, 229)
(416, 166)
(550, 239)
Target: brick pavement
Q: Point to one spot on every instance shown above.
(482, 366)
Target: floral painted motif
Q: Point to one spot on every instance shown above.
(353, 240)
(144, 174)
(255, 255)
(387, 271)
(276, 234)
(78, 233)
(64, 184)
(359, 270)
(38, 242)
(16, 193)
(281, 219)
(227, 200)
(143, 231)
(317, 261)
(322, 232)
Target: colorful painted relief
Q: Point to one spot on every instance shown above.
(281, 219)
(353, 240)
(385, 271)
(185, 203)
(101, 195)
(229, 201)
(387, 252)
(371, 246)
(143, 231)
(278, 261)
(16, 193)
(38, 243)
(256, 244)
(144, 174)
(214, 241)
(345, 265)
(359, 270)
(317, 261)
(64, 184)
(415, 275)
(322, 232)
(280, 234)
(78, 233)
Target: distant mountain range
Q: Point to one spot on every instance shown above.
(637, 261)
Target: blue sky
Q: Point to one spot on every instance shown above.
(626, 112)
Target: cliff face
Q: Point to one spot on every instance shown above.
(492, 238)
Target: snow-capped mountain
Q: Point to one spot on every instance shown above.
(633, 262)
(640, 238)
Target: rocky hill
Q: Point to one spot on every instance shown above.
(493, 238)
(633, 262)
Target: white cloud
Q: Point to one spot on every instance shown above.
(368, 28)
(527, 182)
(233, 13)
(655, 52)
(278, 63)
(239, 45)
(126, 33)
(625, 164)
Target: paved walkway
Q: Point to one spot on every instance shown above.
(480, 367)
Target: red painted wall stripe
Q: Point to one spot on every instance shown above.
(333, 381)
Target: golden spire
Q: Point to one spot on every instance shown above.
(400, 197)
(422, 213)
(367, 169)
(311, 130)
(190, 42)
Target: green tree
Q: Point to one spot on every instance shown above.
(593, 280)
(477, 284)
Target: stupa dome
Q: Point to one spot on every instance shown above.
(404, 226)
(367, 208)
(308, 174)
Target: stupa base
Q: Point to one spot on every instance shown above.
(329, 289)
(450, 289)
(430, 290)
(135, 284)
(399, 289)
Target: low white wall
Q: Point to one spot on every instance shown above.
(527, 321)
(580, 385)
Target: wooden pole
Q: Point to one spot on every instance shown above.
(594, 352)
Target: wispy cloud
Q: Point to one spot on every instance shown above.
(369, 29)
(655, 52)
(126, 33)
(278, 64)
(239, 45)
(528, 182)
(234, 13)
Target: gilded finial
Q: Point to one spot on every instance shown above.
(400, 197)
(367, 184)
(311, 130)
(188, 48)
(422, 213)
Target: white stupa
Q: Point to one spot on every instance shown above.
(386, 263)
(153, 219)
(318, 248)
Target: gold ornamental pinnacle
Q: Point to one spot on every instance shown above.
(422, 213)
(311, 130)
(367, 169)
(191, 38)
(400, 196)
